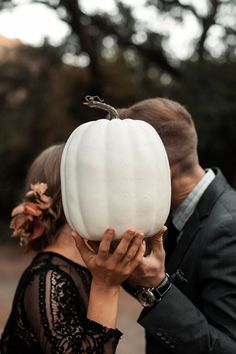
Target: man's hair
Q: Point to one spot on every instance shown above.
(46, 169)
(174, 125)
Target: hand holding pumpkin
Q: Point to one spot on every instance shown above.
(111, 269)
(151, 271)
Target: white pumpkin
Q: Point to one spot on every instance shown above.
(115, 173)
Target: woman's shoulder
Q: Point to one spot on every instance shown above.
(60, 267)
(54, 269)
(53, 260)
(41, 264)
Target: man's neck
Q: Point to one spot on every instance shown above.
(183, 184)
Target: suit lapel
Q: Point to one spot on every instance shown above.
(190, 231)
(193, 225)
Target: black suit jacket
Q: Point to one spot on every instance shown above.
(198, 314)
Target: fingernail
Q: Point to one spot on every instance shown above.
(110, 231)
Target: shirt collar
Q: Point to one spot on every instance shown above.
(187, 207)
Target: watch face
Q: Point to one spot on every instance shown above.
(146, 297)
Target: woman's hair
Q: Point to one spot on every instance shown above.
(173, 123)
(45, 169)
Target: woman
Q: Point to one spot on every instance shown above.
(67, 299)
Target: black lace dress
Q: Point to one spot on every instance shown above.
(49, 312)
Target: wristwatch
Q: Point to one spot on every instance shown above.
(150, 296)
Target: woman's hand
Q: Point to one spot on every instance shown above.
(111, 269)
(151, 271)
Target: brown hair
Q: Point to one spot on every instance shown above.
(173, 123)
(46, 169)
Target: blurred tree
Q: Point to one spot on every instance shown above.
(35, 103)
(146, 40)
(209, 92)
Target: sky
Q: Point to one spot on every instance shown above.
(25, 23)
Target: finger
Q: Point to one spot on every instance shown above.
(159, 236)
(157, 240)
(123, 246)
(104, 247)
(138, 257)
(82, 247)
(133, 247)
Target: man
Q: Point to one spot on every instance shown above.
(193, 310)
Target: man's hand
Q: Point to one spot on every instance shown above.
(151, 271)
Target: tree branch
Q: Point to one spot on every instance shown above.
(75, 21)
(167, 5)
(155, 55)
(207, 22)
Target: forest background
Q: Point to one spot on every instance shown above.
(122, 59)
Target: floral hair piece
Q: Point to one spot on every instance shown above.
(31, 218)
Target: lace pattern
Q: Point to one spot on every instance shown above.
(49, 312)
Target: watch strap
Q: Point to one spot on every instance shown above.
(150, 296)
(161, 289)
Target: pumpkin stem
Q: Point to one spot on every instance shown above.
(96, 102)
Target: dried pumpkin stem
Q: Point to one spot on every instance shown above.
(96, 102)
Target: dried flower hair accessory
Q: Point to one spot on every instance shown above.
(31, 218)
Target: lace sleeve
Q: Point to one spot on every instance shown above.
(60, 322)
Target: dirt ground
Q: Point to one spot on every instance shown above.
(12, 263)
